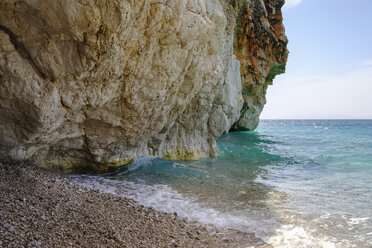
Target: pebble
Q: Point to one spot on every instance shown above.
(66, 215)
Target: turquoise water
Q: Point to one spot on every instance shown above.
(294, 183)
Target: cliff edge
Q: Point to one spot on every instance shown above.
(97, 83)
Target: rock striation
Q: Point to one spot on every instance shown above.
(95, 84)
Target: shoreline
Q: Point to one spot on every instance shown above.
(42, 208)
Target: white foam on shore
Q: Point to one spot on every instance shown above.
(357, 221)
(294, 236)
(163, 198)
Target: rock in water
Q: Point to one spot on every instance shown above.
(98, 83)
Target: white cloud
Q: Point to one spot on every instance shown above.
(347, 95)
(366, 63)
(291, 3)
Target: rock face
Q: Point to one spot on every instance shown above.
(97, 83)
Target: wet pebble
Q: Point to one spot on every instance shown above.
(57, 213)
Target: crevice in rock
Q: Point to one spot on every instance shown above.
(164, 4)
(22, 51)
(236, 127)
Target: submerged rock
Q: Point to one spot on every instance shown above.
(98, 83)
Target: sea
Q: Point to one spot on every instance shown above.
(293, 183)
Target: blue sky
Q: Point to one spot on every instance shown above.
(329, 71)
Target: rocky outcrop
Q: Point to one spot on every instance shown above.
(97, 83)
(261, 47)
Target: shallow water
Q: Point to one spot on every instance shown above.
(294, 183)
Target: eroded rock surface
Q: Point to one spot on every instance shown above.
(98, 83)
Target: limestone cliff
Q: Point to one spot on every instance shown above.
(97, 83)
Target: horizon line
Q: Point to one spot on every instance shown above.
(345, 119)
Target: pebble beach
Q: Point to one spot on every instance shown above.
(41, 208)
